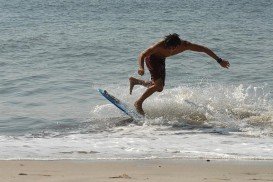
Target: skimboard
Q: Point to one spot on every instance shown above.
(121, 105)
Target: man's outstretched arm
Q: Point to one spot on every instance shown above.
(200, 48)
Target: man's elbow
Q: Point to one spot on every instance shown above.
(143, 54)
(206, 50)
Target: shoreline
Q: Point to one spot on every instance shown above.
(153, 170)
(142, 159)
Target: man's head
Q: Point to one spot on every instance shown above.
(171, 41)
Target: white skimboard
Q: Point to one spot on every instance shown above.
(121, 105)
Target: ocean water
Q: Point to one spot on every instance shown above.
(55, 54)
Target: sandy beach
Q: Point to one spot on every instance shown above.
(136, 170)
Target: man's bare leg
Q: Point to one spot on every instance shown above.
(157, 86)
(134, 81)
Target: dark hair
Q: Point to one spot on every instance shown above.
(172, 40)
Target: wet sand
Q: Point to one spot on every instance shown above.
(136, 170)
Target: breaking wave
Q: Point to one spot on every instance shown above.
(216, 108)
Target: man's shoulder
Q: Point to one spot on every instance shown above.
(185, 44)
(157, 46)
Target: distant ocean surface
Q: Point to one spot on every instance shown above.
(54, 55)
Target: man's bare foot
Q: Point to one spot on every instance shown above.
(139, 108)
(132, 81)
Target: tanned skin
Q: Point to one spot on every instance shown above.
(160, 50)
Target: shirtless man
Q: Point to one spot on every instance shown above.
(155, 57)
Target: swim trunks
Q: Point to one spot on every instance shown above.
(156, 66)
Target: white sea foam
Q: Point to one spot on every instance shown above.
(138, 142)
(244, 109)
(232, 122)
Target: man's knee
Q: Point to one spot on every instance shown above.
(159, 85)
(160, 88)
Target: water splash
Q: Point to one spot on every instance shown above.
(223, 108)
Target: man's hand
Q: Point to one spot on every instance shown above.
(225, 64)
(141, 71)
